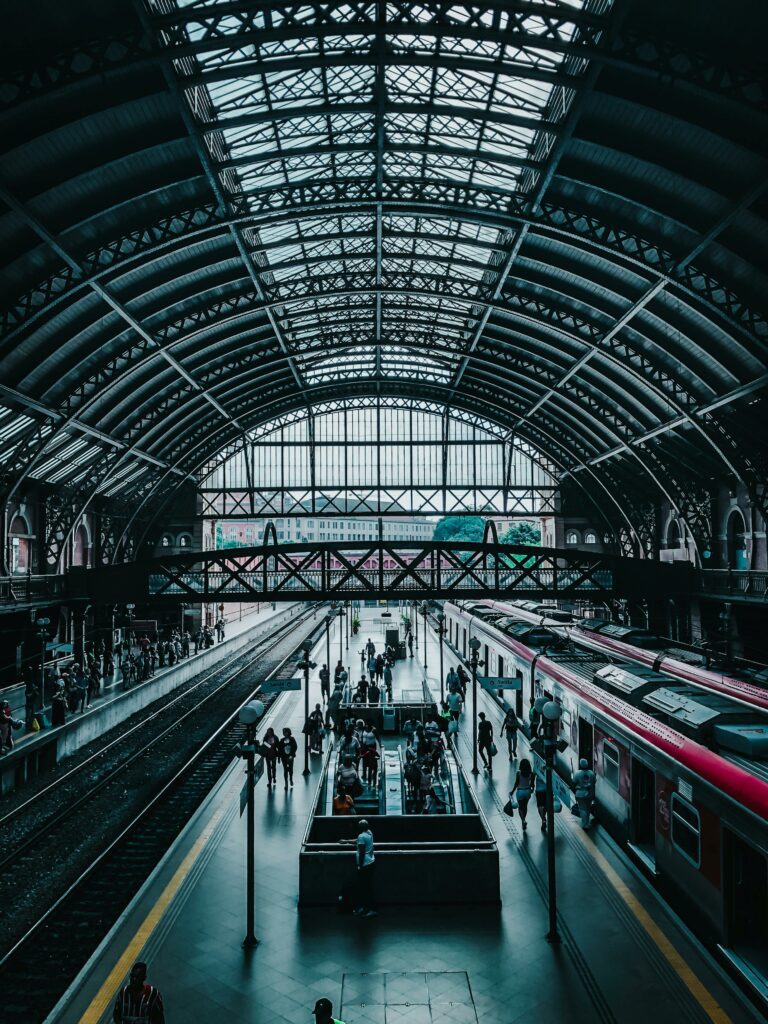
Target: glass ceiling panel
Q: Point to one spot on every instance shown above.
(328, 120)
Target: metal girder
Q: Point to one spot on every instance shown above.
(383, 568)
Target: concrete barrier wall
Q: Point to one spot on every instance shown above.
(52, 745)
(404, 877)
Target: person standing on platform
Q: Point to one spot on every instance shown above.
(485, 741)
(534, 717)
(325, 684)
(510, 725)
(287, 748)
(410, 644)
(323, 1012)
(370, 648)
(314, 729)
(366, 862)
(584, 786)
(138, 1002)
(374, 693)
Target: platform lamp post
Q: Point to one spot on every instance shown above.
(424, 609)
(342, 627)
(305, 667)
(249, 716)
(440, 634)
(474, 664)
(42, 632)
(129, 610)
(550, 718)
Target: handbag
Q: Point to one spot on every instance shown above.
(453, 727)
(509, 809)
(494, 750)
(557, 805)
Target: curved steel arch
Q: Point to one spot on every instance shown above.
(197, 291)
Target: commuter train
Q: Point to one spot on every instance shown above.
(681, 773)
(636, 644)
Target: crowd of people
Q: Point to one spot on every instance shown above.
(71, 687)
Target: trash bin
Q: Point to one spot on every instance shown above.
(388, 719)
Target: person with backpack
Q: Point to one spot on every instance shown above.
(522, 789)
(510, 725)
(485, 744)
(584, 788)
(287, 748)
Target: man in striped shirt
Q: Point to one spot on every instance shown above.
(138, 1002)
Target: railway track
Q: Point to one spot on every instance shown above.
(48, 956)
(26, 823)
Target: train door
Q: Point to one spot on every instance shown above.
(644, 811)
(586, 741)
(746, 891)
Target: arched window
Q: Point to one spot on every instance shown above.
(571, 537)
(673, 534)
(735, 541)
(19, 542)
(81, 544)
(590, 537)
(166, 541)
(184, 540)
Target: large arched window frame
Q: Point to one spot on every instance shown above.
(375, 455)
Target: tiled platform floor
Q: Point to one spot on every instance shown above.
(607, 969)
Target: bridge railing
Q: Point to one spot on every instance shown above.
(312, 581)
(734, 582)
(31, 589)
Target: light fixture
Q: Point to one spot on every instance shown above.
(251, 712)
(552, 710)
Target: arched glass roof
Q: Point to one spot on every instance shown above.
(546, 214)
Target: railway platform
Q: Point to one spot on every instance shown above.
(623, 959)
(34, 752)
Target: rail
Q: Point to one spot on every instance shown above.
(734, 582)
(31, 589)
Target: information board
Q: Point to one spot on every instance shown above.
(280, 685)
(500, 682)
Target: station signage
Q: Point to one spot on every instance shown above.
(280, 685)
(500, 682)
(560, 788)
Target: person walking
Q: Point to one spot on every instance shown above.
(138, 1002)
(269, 751)
(584, 788)
(455, 704)
(452, 679)
(510, 725)
(372, 666)
(366, 862)
(485, 745)
(388, 681)
(410, 644)
(534, 717)
(541, 800)
(522, 789)
(370, 648)
(287, 748)
(323, 1012)
(325, 684)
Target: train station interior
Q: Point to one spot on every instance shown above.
(384, 476)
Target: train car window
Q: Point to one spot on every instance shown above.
(611, 764)
(686, 830)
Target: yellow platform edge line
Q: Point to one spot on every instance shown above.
(690, 979)
(116, 977)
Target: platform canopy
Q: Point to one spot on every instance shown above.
(546, 214)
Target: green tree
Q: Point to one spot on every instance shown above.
(521, 533)
(460, 528)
